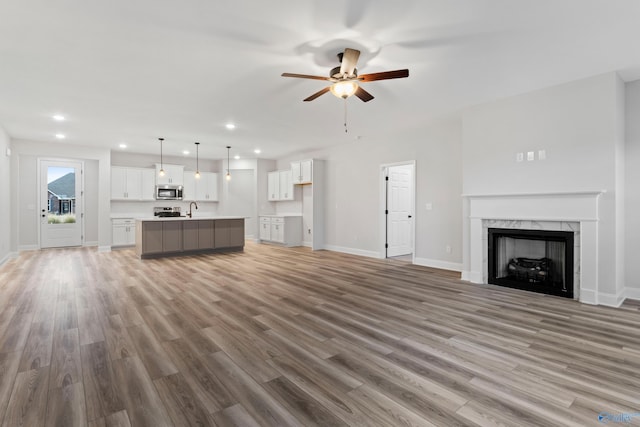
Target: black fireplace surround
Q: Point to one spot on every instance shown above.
(533, 260)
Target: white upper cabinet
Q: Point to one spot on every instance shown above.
(207, 187)
(132, 183)
(280, 185)
(273, 185)
(286, 185)
(302, 172)
(173, 174)
(203, 189)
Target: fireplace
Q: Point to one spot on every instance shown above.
(533, 260)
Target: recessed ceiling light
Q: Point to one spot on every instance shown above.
(230, 126)
(60, 136)
(58, 117)
(236, 157)
(185, 152)
(123, 145)
(257, 151)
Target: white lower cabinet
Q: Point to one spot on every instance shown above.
(124, 232)
(283, 229)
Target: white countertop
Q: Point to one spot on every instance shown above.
(186, 218)
(279, 215)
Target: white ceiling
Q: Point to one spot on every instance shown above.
(132, 71)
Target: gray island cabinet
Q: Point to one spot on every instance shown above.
(156, 237)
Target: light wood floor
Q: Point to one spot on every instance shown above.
(275, 336)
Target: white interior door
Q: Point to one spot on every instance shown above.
(400, 207)
(239, 198)
(60, 203)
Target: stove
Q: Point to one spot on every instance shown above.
(167, 212)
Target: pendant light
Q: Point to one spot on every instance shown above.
(228, 167)
(197, 161)
(161, 173)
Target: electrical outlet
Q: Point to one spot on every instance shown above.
(428, 206)
(448, 249)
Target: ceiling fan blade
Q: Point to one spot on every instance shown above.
(385, 75)
(317, 94)
(349, 61)
(363, 95)
(305, 76)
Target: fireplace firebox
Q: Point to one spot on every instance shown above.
(533, 260)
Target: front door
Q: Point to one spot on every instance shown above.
(400, 208)
(60, 203)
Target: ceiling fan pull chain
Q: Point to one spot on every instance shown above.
(345, 116)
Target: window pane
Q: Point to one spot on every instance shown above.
(61, 195)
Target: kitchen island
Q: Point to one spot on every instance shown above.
(158, 237)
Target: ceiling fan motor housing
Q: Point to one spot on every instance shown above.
(336, 74)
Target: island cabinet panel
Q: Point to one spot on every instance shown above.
(190, 235)
(197, 235)
(172, 236)
(229, 233)
(206, 233)
(152, 237)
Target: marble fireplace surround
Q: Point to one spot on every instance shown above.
(564, 211)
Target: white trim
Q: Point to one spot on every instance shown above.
(466, 276)
(611, 300)
(307, 244)
(28, 248)
(588, 296)
(554, 193)
(93, 243)
(7, 257)
(633, 293)
(352, 251)
(104, 248)
(434, 263)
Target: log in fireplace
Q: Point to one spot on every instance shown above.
(533, 260)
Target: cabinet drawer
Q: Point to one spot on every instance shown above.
(120, 221)
(265, 220)
(275, 220)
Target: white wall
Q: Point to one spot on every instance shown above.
(578, 126)
(24, 194)
(632, 200)
(5, 213)
(353, 194)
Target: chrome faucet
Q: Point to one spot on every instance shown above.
(190, 215)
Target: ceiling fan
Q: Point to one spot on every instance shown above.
(346, 80)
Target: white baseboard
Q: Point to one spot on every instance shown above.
(352, 251)
(28, 248)
(90, 244)
(7, 257)
(633, 293)
(307, 244)
(611, 300)
(104, 248)
(434, 263)
(465, 275)
(588, 297)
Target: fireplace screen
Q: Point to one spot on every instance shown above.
(534, 260)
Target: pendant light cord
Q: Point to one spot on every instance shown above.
(345, 116)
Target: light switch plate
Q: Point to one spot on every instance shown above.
(531, 156)
(519, 157)
(542, 154)
(8, 152)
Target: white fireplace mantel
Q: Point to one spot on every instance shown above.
(578, 206)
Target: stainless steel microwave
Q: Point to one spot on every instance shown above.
(168, 192)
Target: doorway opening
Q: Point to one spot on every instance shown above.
(61, 203)
(398, 196)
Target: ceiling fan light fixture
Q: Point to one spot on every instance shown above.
(344, 89)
